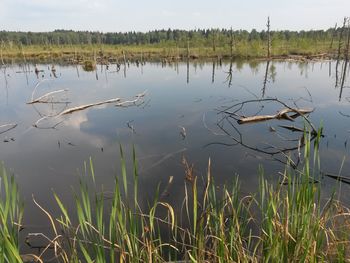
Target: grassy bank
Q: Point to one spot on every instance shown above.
(162, 52)
(284, 222)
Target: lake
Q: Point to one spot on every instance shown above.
(183, 113)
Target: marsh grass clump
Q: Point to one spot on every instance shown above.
(283, 222)
(89, 65)
(11, 211)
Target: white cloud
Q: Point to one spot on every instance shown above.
(75, 120)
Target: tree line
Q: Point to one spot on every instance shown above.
(199, 37)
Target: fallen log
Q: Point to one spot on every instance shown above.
(281, 115)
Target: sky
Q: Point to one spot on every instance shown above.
(138, 15)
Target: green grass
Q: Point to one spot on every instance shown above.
(282, 222)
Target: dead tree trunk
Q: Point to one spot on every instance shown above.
(188, 48)
(231, 43)
(330, 48)
(268, 38)
(333, 36)
(213, 41)
(346, 58)
(340, 43)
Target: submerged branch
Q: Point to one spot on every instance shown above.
(7, 127)
(342, 179)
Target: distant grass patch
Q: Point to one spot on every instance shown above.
(89, 65)
(159, 51)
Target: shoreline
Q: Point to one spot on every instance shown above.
(108, 54)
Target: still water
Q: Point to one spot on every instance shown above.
(180, 115)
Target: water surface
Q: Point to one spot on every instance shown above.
(178, 117)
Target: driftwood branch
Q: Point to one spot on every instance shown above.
(282, 114)
(239, 106)
(45, 98)
(83, 107)
(280, 153)
(118, 102)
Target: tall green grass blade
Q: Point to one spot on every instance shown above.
(123, 168)
(195, 204)
(63, 209)
(92, 170)
(135, 175)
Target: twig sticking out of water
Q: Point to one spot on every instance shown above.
(183, 132)
(165, 192)
(130, 126)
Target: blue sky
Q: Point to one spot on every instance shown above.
(127, 15)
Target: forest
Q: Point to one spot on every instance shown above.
(198, 37)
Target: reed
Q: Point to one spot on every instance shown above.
(11, 211)
(284, 221)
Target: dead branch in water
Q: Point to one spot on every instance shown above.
(281, 153)
(83, 107)
(54, 126)
(7, 127)
(116, 100)
(292, 128)
(239, 106)
(342, 179)
(282, 114)
(45, 98)
(36, 86)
